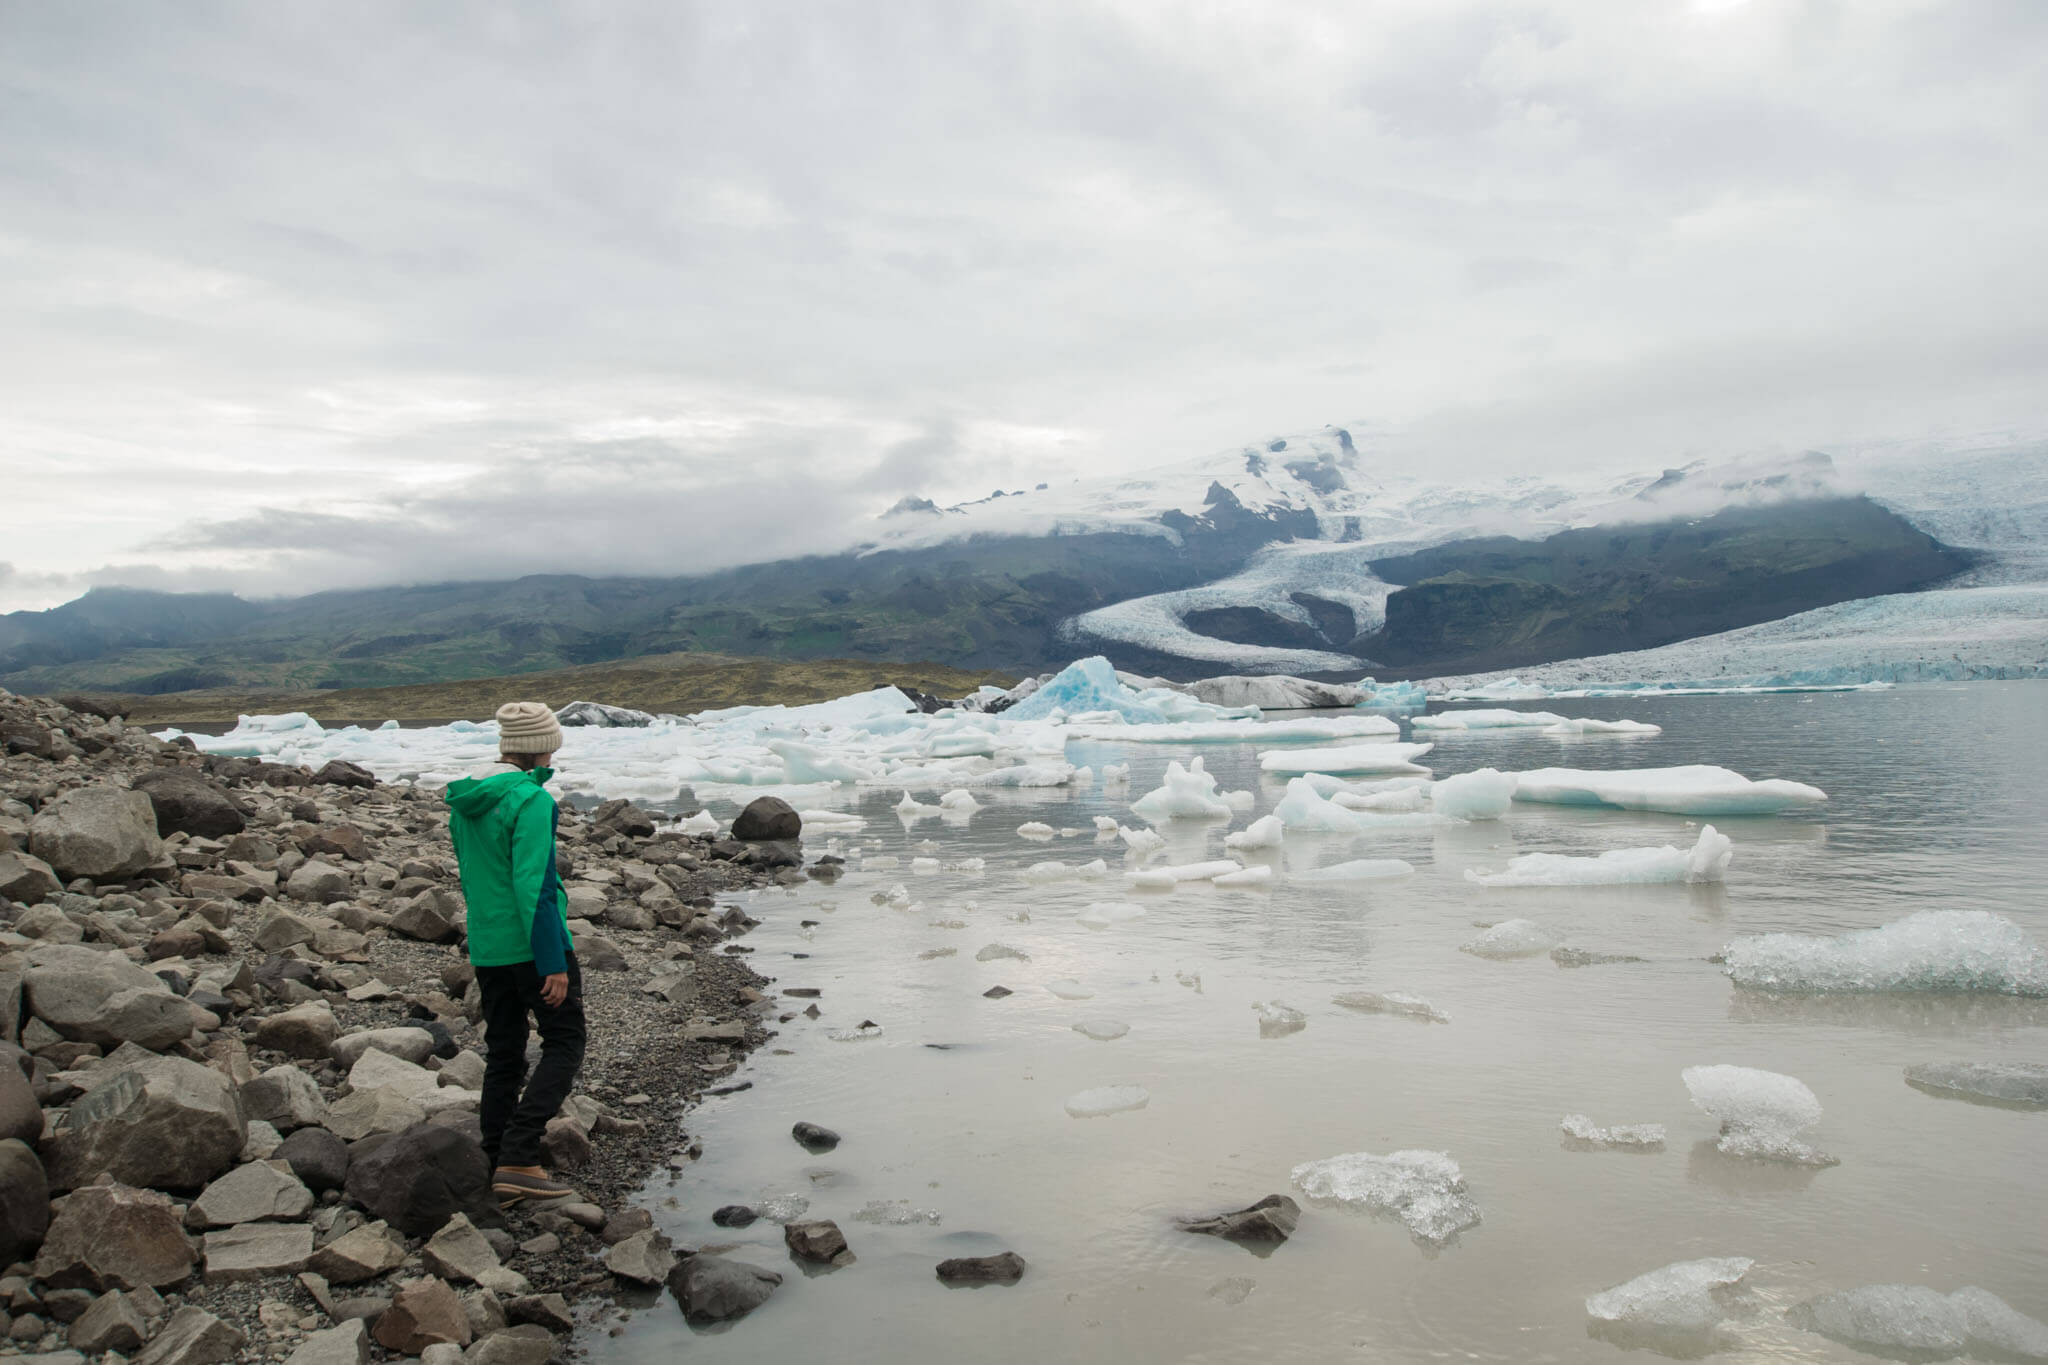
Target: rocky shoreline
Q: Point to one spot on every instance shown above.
(239, 1060)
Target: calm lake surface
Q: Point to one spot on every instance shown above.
(1936, 803)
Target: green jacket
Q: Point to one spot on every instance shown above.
(503, 827)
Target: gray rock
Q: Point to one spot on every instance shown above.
(422, 1313)
(1271, 1221)
(307, 1030)
(24, 1197)
(643, 1258)
(767, 817)
(814, 1137)
(370, 1112)
(339, 772)
(286, 1098)
(714, 1289)
(260, 1191)
(193, 1336)
(92, 996)
(317, 1157)
(102, 832)
(281, 930)
(405, 1043)
(459, 1251)
(187, 803)
(360, 1254)
(114, 1237)
(1005, 1268)
(433, 916)
(165, 1123)
(420, 1178)
(256, 1251)
(26, 878)
(263, 1142)
(314, 880)
(819, 1242)
(347, 1344)
(545, 1310)
(529, 1345)
(465, 1070)
(21, 1118)
(112, 1323)
(11, 1006)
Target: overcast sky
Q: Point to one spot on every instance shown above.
(298, 295)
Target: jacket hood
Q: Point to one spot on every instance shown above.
(476, 796)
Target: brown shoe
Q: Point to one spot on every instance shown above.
(519, 1184)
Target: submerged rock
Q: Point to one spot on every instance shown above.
(974, 1271)
(715, 1289)
(1272, 1220)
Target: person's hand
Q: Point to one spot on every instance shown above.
(554, 989)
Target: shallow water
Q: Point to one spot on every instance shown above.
(958, 1107)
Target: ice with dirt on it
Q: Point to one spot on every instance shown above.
(1706, 861)
(1188, 793)
(1106, 1100)
(998, 952)
(1265, 832)
(1398, 1003)
(1762, 1113)
(2019, 1084)
(1913, 1321)
(1103, 914)
(1424, 1189)
(1036, 829)
(1586, 725)
(1511, 939)
(1676, 1298)
(1245, 876)
(1106, 824)
(1697, 789)
(1497, 719)
(1359, 870)
(1101, 1028)
(1483, 794)
(1580, 1128)
(1354, 758)
(1066, 988)
(1929, 950)
(1277, 1020)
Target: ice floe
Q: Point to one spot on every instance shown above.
(1511, 939)
(1106, 1100)
(1035, 829)
(1359, 870)
(998, 952)
(1234, 731)
(1482, 794)
(1761, 1112)
(1265, 832)
(1929, 950)
(1706, 861)
(2021, 1085)
(1187, 793)
(1248, 876)
(1066, 988)
(1397, 1003)
(1916, 1322)
(1696, 789)
(1485, 720)
(1101, 1028)
(1303, 808)
(1103, 914)
(1677, 1298)
(1586, 725)
(1424, 1189)
(1580, 1128)
(1387, 757)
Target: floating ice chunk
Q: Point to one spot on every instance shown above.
(1141, 841)
(996, 952)
(1249, 876)
(913, 809)
(1510, 939)
(1425, 1190)
(1188, 794)
(782, 1208)
(1495, 719)
(1302, 808)
(2020, 1084)
(1929, 950)
(1106, 824)
(1106, 1100)
(860, 1033)
(808, 763)
(1036, 829)
(1586, 725)
(831, 822)
(1582, 1129)
(1102, 914)
(1355, 758)
(1483, 794)
(896, 897)
(1398, 801)
(1050, 871)
(1706, 861)
(1277, 1020)
(1391, 1002)
(1152, 879)
(1025, 775)
(1761, 1112)
(1192, 980)
(1240, 800)
(1694, 790)
(1102, 1029)
(894, 1213)
(1198, 872)
(1995, 1326)
(703, 822)
(1092, 869)
(1359, 870)
(1265, 832)
(959, 800)
(923, 867)
(1066, 988)
(1916, 1322)
(969, 865)
(1115, 774)
(1676, 1298)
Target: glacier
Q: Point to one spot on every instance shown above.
(1706, 861)
(1929, 950)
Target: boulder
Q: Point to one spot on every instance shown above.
(111, 1323)
(193, 1336)
(255, 1192)
(623, 817)
(317, 1157)
(347, 1344)
(814, 1137)
(406, 1043)
(166, 1123)
(257, 1251)
(459, 1252)
(644, 1258)
(339, 840)
(11, 1005)
(420, 1178)
(114, 1237)
(307, 1030)
(370, 1112)
(359, 1254)
(423, 1313)
(320, 882)
(714, 1289)
(819, 1242)
(26, 878)
(1006, 1268)
(1271, 1221)
(339, 772)
(24, 1198)
(767, 817)
(285, 1098)
(92, 996)
(102, 832)
(433, 916)
(529, 1345)
(281, 929)
(185, 802)
(21, 1118)
(546, 1310)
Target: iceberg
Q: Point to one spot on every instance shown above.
(1675, 1298)
(1188, 794)
(2020, 1085)
(1052, 871)
(912, 809)
(1483, 794)
(1275, 692)
(1511, 939)
(1930, 950)
(1391, 1002)
(1359, 870)
(1579, 1128)
(1302, 808)
(1916, 1322)
(1761, 1112)
(809, 763)
(1693, 790)
(1356, 758)
(1087, 684)
(1394, 696)
(1106, 1100)
(598, 714)
(1485, 720)
(1706, 861)
(1265, 832)
(1586, 725)
(1425, 1190)
(1234, 731)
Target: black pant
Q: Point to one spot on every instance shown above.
(513, 1122)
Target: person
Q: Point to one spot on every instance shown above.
(503, 827)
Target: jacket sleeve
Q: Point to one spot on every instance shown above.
(537, 887)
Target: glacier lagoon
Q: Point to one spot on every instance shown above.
(962, 1107)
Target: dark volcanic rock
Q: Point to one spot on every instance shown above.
(422, 1177)
(1006, 1268)
(734, 1216)
(1270, 1221)
(187, 803)
(815, 1137)
(713, 1289)
(767, 817)
(317, 1157)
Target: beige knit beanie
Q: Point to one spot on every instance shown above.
(528, 727)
